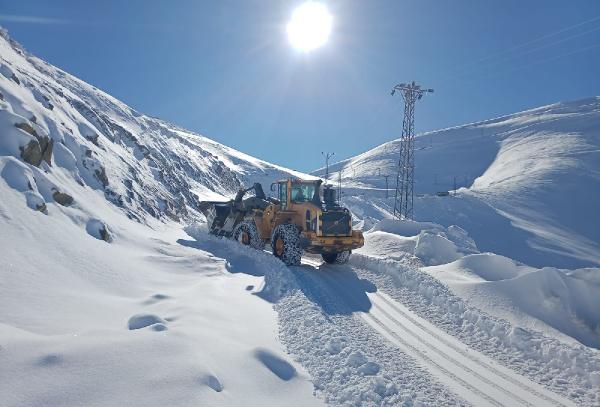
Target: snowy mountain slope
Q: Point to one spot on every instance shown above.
(532, 177)
(144, 165)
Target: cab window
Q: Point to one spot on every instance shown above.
(303, 192)
(283, 195)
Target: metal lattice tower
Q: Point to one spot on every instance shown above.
(405, 182)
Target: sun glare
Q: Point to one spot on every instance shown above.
(310, 26)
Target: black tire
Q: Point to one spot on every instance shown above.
(329, 257)
(247, 234)
(288, 248)
(342, 257)
(337, 258)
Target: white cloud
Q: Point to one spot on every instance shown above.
(31, 19)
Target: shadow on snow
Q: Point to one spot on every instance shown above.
(336, 289)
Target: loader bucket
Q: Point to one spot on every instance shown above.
(217, 214)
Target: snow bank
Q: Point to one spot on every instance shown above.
(431, 243)
(560, 303)
(569, 369)
(525, 295)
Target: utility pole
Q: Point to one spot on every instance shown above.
(455, 185)
(340, 186)
(386, 181)
(386, 186)
(327, 156)
(405, 181)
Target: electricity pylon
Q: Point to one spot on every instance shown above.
(405, 181)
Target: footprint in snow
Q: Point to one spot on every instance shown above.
(156, 298)
(143, 320)
(49, 360)
(212, 382)
(249, 288)
(275, 364)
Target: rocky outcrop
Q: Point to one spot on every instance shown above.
(35, 201)
(46, 145)
(104, 234)
(27, 128)
(37, 150)
(41, 208)
(62, 198)
(93, 138)
(101, 176)
(99, 230)
(32, 153)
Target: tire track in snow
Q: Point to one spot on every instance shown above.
(338, 309)
(490, 381)
(466, 354)
(414, 351)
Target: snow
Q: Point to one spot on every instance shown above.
(117, 296)
(143, 320)
(501, 287)
(531, 177)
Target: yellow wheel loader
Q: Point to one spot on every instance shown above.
(298, 220)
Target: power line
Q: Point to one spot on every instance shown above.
(502, 55)
(538, 62)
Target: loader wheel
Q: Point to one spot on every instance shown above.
(342, 257)
(285, 242)
(338, 258)
(247, 234)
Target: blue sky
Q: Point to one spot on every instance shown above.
(226, 69)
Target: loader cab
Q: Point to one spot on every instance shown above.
(295, 191)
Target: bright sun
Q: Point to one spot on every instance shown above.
(310, 26)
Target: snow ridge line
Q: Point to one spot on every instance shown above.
(469, 356)
(561, 368)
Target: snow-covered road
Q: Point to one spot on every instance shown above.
(473, 376)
